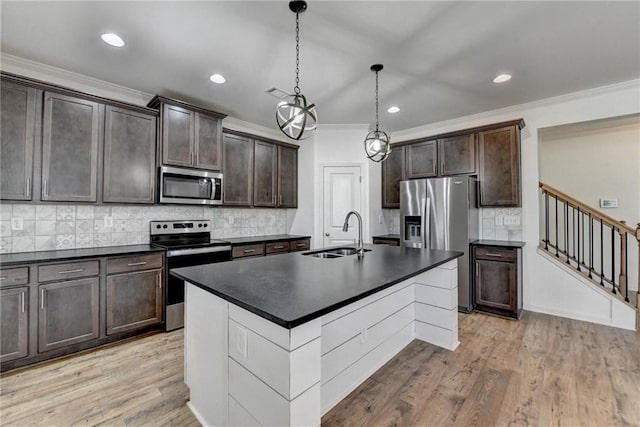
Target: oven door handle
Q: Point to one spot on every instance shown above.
(179, 252)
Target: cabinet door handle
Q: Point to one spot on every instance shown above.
(28, 189)
(133, 264)
(41, 299)
(160, 284)
(191, 158)
(494, 254)
(22, 301)
(45, 191)
(477, 270)
(280, 199)
(248, 251)
(78, 270)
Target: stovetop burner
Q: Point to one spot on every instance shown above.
(183, 234)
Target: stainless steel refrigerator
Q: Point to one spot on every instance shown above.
(442, 213)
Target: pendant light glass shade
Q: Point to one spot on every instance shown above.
(295, 114)
(377, 143)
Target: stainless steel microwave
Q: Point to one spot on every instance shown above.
(190, 186)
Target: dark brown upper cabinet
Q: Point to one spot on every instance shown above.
(457, 155)
(237, 157)
(287, 177)
(71, 138)
(499, 159)
(265, 174)
(129, 156)
(393, 171)
(422, 160)
(190, 136)
(19, 114)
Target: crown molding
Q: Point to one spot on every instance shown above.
(487, 117)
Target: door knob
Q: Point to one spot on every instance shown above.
(326, 234)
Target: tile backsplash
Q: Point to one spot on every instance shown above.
(30, 227)
(495, 223)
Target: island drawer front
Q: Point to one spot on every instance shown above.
(348, 326)
(496, 254)
(299, 245)
(383, 241)
(68, 270)
(241, 251)
(14, 276)
(277, 247)
(134, 263)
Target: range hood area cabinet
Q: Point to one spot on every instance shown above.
(190, 136)
(62, 145)
(259, 172)
(492, 152)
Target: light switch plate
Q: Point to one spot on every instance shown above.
(108, 222)
(231, 219)
(498, 219)
(17, 224)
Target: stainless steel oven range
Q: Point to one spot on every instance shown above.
(188, 243)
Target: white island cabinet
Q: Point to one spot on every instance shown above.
(245, 369)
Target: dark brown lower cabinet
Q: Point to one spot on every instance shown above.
(498, 280)
(386, 241)
(134, 300)
(69, 313)
(14, 323)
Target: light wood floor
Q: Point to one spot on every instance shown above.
(542, 370)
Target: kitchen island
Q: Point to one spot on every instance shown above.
(281, 340)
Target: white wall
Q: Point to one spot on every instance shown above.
(543, 282)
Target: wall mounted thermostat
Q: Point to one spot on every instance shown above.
(608, 203)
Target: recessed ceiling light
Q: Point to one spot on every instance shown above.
(501, 78)
(393, 109)
(217, 78)
(112, 39)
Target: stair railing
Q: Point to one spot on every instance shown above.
(589, 241)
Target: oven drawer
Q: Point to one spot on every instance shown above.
(134, 263)
(241, 251)
(277, 247)
(299, 245)
(14, 276)
(68, 270)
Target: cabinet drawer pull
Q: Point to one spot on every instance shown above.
(494, 254)
(42, 299)
(77, 270)
(248, 251)
(133, 264)
(22, 302)
(3, 278)
(300, 245)
(278, 247)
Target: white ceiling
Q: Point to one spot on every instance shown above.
(439, 57)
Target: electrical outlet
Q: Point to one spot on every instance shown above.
(108, 222)
(231, 220)
(17, 224)
(379, 218)
(511, 220)
(242, 343)
(498, 219)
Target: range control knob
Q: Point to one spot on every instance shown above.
(164, 226)
(199, 225)
(158, 226)
(206, 225)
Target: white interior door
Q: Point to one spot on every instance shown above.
(342, 193)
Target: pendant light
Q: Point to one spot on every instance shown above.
(296, 115)
(376, 144)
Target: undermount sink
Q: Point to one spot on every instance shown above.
(335, 253)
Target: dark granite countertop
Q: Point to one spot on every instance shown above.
(261, 239)
(67, 254)
(387, 236)
(504, 243)
(292, 289)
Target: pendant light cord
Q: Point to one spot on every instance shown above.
(377, 121)
(296, 89)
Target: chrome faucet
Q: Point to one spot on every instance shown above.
(345, 228)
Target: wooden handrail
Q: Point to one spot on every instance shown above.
(612, 222)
